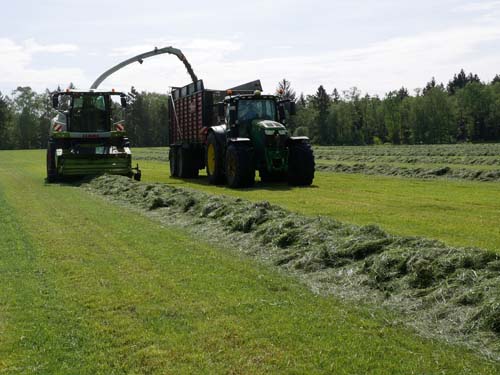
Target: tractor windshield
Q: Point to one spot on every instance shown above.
(251, 109)
(89, 113)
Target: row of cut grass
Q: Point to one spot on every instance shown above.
(460, 213)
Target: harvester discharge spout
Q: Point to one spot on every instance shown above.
(140, 58)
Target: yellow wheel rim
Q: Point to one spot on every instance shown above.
(211, 159)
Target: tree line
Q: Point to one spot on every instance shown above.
(25, 118)
(465, 110)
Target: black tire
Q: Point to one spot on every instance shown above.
(172, 156)
(300, 164)
(137, 176)
(186, 163)
(51, 163)
(240, 171)
(214, 161)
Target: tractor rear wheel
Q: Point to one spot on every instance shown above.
(51, 163)
(214, 161)
(300, 164)
(172, 157)
(240, 171)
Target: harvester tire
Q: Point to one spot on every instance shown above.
(186, 165)
(300, 164)
(214, 161)
(51, 163)
(240, 171)
(172, 156)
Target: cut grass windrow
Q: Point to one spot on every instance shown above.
(470, 174)
(445, 292)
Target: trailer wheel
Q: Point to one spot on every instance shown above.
(51, 163)
(172, 157)
(240, 171)
(186, 163)
(300, 164)
(214, 161)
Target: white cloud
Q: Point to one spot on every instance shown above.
(377, 68)
(16, 65)
(31, 46)
(478, 6)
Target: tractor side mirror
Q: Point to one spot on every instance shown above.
(232, 117)
(123, 101)
(281, 112)
(55, 101)
(220, 109)
(293, 109)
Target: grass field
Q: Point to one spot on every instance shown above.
(460, 213)
(89, 287)
(478, 162)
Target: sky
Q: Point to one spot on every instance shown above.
(376, 46)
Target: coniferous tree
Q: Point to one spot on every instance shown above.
(458, 82)
(285, 91)
(335, 96)
(321, 102)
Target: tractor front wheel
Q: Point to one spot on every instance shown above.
(240, 171)
(214, 161)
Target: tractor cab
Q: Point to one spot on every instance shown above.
(260, 119)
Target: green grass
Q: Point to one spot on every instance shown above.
(88, 287)
(460, 213)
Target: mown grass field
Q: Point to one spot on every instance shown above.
(88, 287)
(460, 213)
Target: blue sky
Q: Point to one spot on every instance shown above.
(375, 46)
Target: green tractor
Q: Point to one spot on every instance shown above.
(252, 138)
(84, 137)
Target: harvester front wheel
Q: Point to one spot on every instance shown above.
(172, 157)
(51, 163)
(300, 164)
(240, 171)
(214, 161)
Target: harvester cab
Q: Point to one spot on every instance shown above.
(87, 137)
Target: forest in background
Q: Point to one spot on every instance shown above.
(464, 110)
